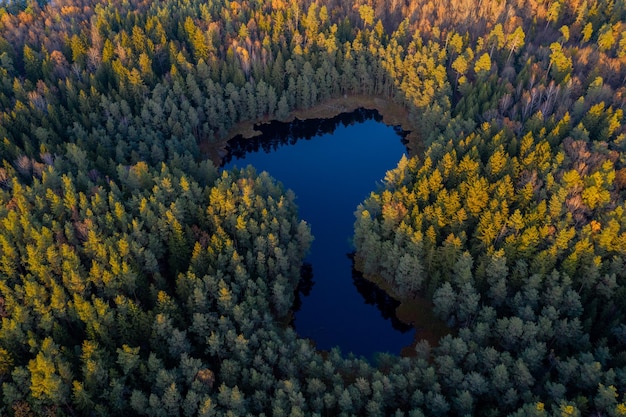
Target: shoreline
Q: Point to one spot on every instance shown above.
(393, 114)
(415, 311)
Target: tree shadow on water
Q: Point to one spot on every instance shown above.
(275, 134)
(374, 295)
(305, 285)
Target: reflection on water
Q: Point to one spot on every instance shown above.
(374, 295)
(276, 134)
(332, 165)
(304, 287)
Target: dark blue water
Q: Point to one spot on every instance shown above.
(331, 173)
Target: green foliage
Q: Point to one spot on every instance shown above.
(505, 289)
(100, 263)
(137, 280)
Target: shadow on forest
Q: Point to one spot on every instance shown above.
(275, 134)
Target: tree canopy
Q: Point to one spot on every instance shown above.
(137, 278)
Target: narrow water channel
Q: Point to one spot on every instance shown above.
(332, 165)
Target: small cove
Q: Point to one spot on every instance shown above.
(332, 165)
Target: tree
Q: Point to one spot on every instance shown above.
(460, 65)
(483, 65)
(311, 24)
(444, 301)
(49, 383)
(587, 32)
(515, 41)
(79, 50)
(606, 398)
(367, 15)
(283, 108)
(606, 38)
(32, 64)
(560, 63)
(496, 39)
(554, 11)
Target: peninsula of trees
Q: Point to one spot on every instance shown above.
(138, 279)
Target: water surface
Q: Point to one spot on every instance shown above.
(332, 165)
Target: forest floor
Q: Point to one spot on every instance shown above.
(393, 114)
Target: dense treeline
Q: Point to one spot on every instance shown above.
(92, 319)
(135, 79)
(523, 251)
(137, 280)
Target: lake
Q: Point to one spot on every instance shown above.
(332, 165)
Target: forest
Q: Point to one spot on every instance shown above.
(139, 279)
